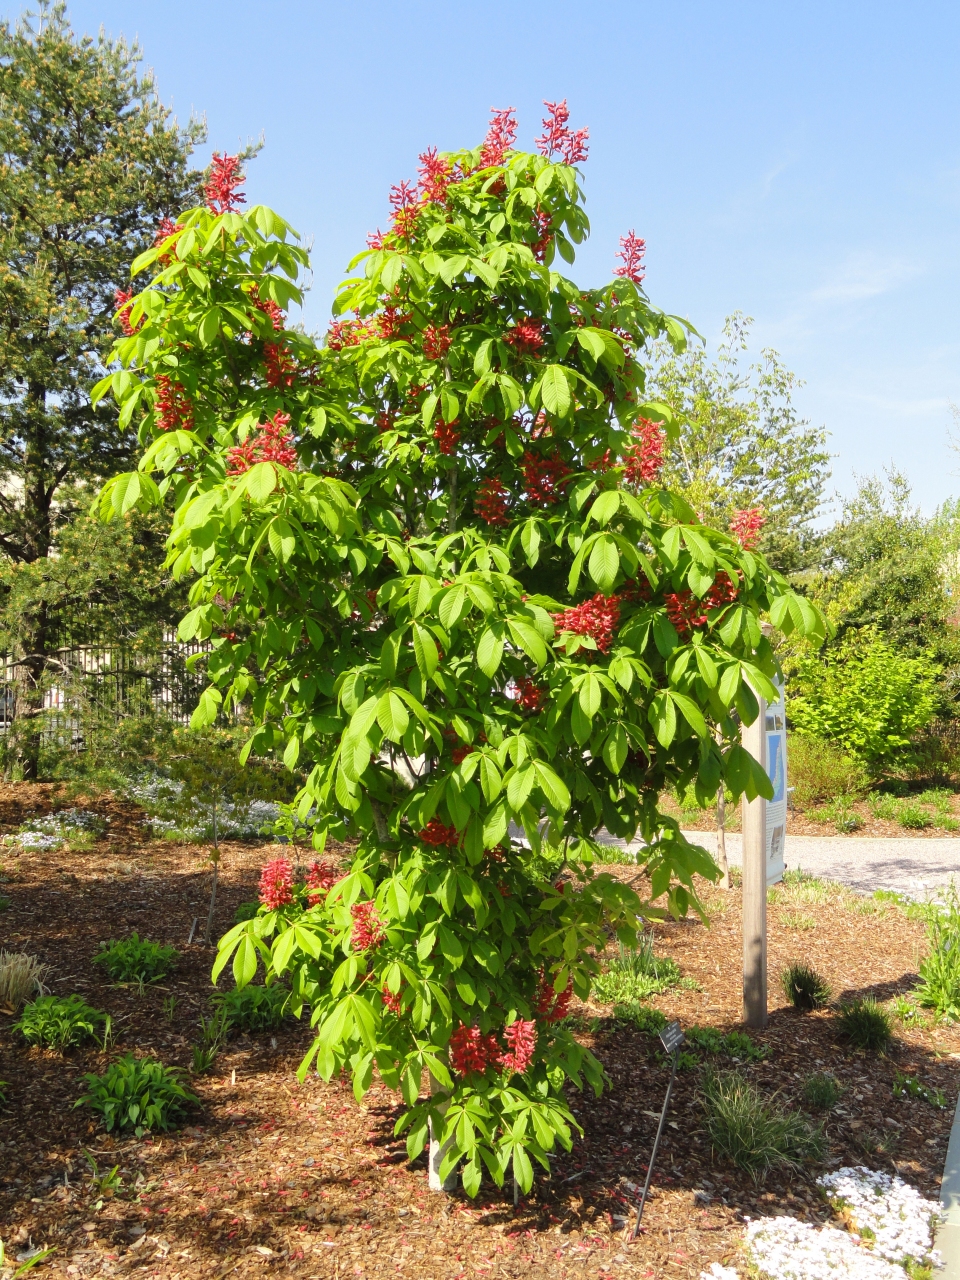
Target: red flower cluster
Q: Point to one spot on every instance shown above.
(435, 176)
(631, 252)
(390, 321)
(347, 333)
(446, 436)
(685, 611)
(406, 208)
(165, 230)
(220, 189)
(500, 137)
(436, 834)
(642, 461)
(746, 526)
(276, 884)
(385, 420)
(572, 145)
(321, 877)
(279, 366)
(522, 1038)
(543, 477)
(724, 591)
(472, 1051)
(543, 227)
(529, 695)
(391, 1001)
(526, 337)
(124, 301)
(368, 930)
(552, 1006)
(272, 443)
(461, 752)
(597, 618)
(270, 308)
(490, 503)
(436, 341)
(172, 410)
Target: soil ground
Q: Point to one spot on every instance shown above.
(300, 1180)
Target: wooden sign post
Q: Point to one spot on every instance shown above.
(754, 739)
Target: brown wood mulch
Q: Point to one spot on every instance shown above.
(303, 1181)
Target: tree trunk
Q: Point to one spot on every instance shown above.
(437, 1152)
(38, 643)
(722, 840)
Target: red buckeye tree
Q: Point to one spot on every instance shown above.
(433, 557)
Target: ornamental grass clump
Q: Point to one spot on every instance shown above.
(866, 1024)
(753, 1133)
(21, 978)
(139, 1094)
(435, 560)
(60, 1022)
(939, 986)
(821, 1091)
(136, 960)
(804, 987)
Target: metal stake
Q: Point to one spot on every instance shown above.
(672, 1038)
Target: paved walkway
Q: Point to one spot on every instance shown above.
(911, 865)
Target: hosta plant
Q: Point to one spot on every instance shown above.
(433, 556)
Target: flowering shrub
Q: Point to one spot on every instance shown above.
(465, 512)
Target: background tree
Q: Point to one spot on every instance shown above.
(436, 557)
(92, 162)
(741, 444)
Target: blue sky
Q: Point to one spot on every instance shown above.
(800, 163)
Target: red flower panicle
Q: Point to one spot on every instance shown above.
(543, 478)
(270, 308)
(220, 189)
(279, 366)
(501, 136)
(557, 137)
(724, 591)
(436, 341)
(276, 884)
(631, 252)
(172, 409)
(385, 420)
(529, 695)
(553, 1006)
(685, 611)
(597, 618)
(438, 835)
(522, 1038)
(470, 1050)
(746, 526)
(320, 878)
(526, 337)
(368, 930)
(543, 227)
(390, 321)
(166, 228)
(272, 443)
(391, 1000)
(435, 176)
(375, 239)
(446, 436)
(406, 208)
(490, 503)
(642, 461)
(123, 302)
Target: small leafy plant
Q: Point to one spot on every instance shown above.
(910, 1087)
(105, 1184)
(865, 1024)
(252, 1008)
(751, 1132)
(939, 987)
(797, 920)
(821, 1091)
(914, 817)
(213, 1036)
(60, 1022)
(136, 960)
(635, 973)
(139, 1094)
(804, 987)
(21, 978)
(735, 1044)
(650, 1021)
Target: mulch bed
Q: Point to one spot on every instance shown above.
(301, 1180)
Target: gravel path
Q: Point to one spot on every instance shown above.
(916, 867)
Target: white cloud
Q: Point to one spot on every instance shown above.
(865, 275)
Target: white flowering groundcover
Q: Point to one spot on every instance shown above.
(40, 834)
(891, 1225)
(241, 821)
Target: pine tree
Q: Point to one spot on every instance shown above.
(92, 162)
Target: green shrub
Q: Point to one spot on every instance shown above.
(736, 1044)
(139, 1094)
(867, 697)
(940, 797)
(949, 824)
(245, 911)
(804, 987)
(865, 1024)
(821, 771)
(59, 1022)
(252, 1008)
(883, 806)
(751, 1132)
(914, 817)
(136, 959)
(939, 987)
(635, 973)
(821, 1091)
